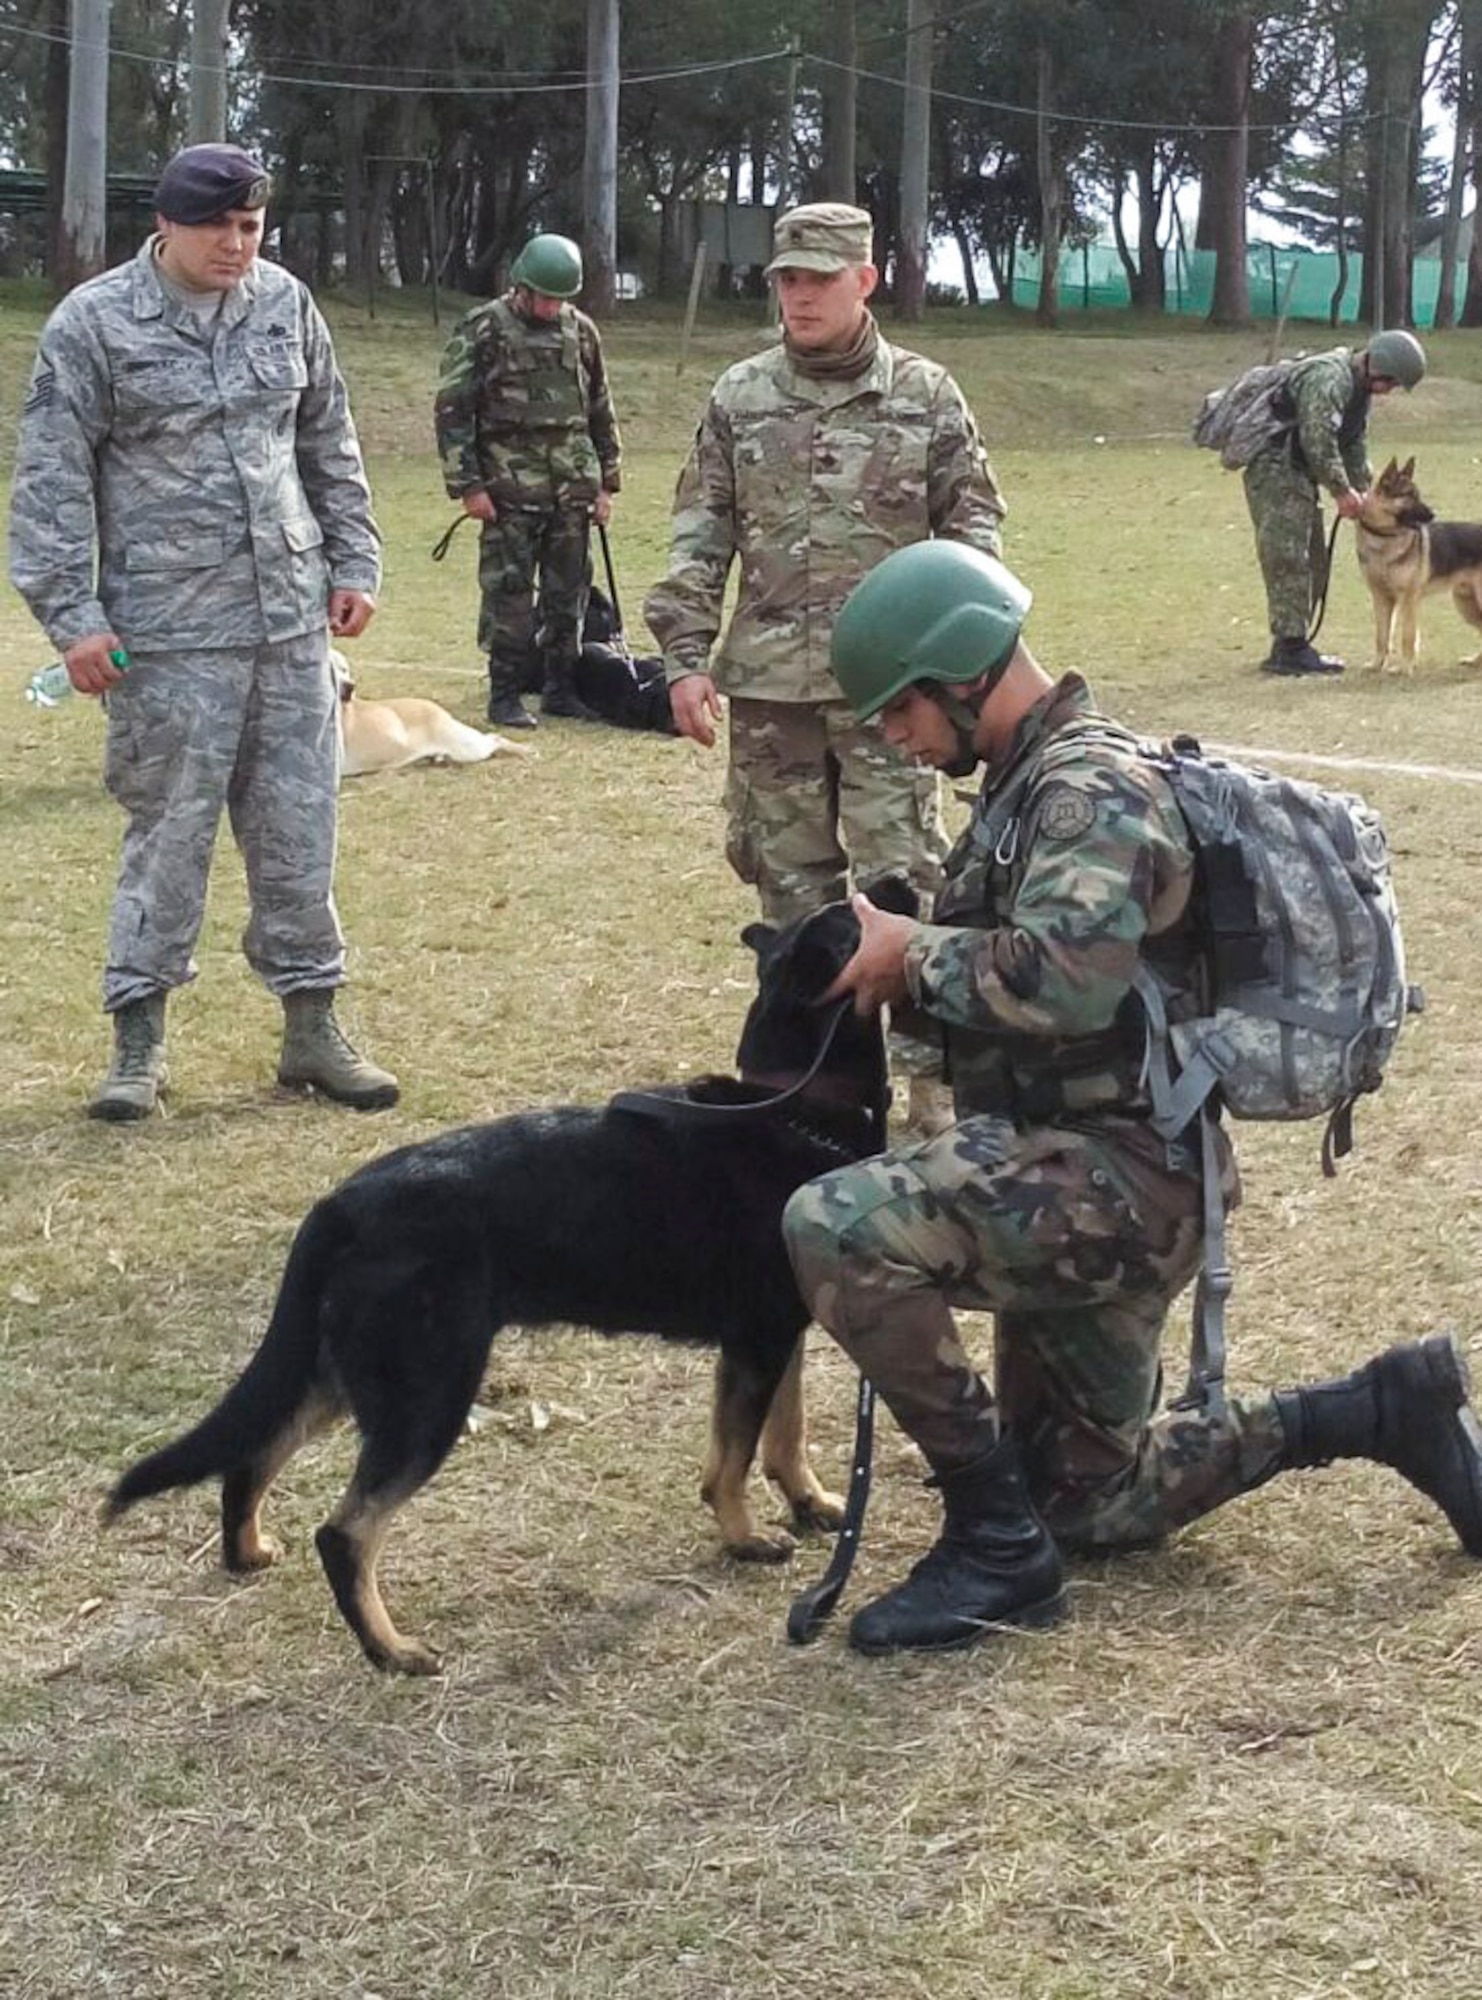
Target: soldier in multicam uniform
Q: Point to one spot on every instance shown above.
(187, 431)
(813, 460)
(1052, 1203)
(1325, 446)
(529, 443)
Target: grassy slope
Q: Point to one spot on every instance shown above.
(1247, 1766)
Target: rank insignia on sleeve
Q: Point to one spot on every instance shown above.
(43, 382)
(1066, 814)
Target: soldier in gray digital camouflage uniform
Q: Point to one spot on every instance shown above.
(1324, 445)
(813, 460)
(530, 446)
(189, 491)
(1052, 1203)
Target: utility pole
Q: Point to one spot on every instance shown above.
(910, 275)
(789, 111)
(207, 72)
(840, 94)
(84, 244)
(599, 163)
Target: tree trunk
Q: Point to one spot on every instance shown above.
(207, 71)
(1230, 170)
(1456, 185)
(1149, 294)
(599, 164)
(910, 283)
(840, 103)
(969, 270)
(57, 68)
(1047, 311)
(85, 194)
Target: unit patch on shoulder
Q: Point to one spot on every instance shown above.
(1066, 814)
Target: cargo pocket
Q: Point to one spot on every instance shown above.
(741, 840)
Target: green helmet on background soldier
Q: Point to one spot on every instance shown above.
(1397, 354)
(932, 611)
(549, 264)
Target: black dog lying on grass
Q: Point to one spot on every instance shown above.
(397, 1283)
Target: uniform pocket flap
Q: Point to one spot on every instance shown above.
(201, 552)
(304, 533)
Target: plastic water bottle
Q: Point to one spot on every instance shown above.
(54, 683)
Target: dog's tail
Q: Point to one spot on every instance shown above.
(270, 1389)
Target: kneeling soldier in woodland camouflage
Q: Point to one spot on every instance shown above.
(187, 435)
(1052, 1203)
(529, 443)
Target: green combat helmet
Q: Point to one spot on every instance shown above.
(933, 611)
(1398, 355)
(549, 264)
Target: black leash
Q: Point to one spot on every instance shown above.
(1322, 599)
(445, 542)
(810, 1610)
(655, 1104)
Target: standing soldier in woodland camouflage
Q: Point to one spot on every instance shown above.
(1324, 445)
(529, 443)
(813, 460)
(189, 492)
(1052, 1203)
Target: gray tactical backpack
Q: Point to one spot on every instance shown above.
(1302, 973)
(1248, 413)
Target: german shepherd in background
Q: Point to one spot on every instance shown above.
(1405, 553)
(661, 1214)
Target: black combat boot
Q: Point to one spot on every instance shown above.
(994, 1564)
(1407, 1409)
(1290, 657)
(559, 696)
(506, 710)
(137, 1074)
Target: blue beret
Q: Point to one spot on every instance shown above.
(203, 182)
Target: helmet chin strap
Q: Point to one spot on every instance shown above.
(963, 716)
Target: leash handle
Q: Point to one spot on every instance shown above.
(807, 1613)
(445, 542)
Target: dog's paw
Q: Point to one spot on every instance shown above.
(762, 1546)
(407, 1656)
(247, 1555)
(818, 1513)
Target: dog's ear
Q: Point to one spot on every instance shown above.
(1390, 470)
(818, 951)
(896, 893)
(1407, 470)
(759, 938)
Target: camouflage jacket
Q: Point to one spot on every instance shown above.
(1075, 864)
(808, 484)
(523, 409)
(188, 485)
(1330, 403)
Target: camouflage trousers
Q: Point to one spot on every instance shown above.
(252, 730)
(1079, 1243)
(553, 542)
(817, 801)
(1287, 514)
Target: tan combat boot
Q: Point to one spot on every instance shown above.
(137, 1073)
(316, 1055)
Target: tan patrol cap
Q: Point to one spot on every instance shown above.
(822, 236)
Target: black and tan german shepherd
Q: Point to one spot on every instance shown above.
(660, 1213)
(1405, 553)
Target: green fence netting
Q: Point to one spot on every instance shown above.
(1092, 277)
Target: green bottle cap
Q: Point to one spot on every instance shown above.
(120, 659)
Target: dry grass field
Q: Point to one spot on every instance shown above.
(1246, 1766)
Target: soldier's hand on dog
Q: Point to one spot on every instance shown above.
(876, 975)
(1351, 505)
(89, 668)
(696, 707)
(350, 611)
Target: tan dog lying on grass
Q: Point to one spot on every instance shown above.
(385, 735)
